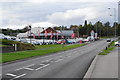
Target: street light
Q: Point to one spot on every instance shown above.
(43, 36)
(29, 28)
(114, 18)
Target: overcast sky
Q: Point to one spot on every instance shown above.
(16, 14)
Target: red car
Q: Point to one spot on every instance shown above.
(61, 41)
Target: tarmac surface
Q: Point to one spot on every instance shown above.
(67, 64)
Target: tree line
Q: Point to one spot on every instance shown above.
(102, 29)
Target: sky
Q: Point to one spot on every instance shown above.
(16, 14)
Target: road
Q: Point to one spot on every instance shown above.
(67, 64)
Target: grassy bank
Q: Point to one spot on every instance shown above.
(47, 46)
(108, 49)
(1, 45)
(6, 57)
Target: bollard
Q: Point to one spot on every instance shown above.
(15, 47)
(106, 48)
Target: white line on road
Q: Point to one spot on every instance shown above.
(68, 56)
(42, 67)
(29, 69)
(41, 64)
(59, 60)
(19, 76)
(24, 67)
(30, 65)
(9, 74)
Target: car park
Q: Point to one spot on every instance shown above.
(61, 41)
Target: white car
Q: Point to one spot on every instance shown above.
(117, 43)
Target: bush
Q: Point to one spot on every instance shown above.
(25, 46)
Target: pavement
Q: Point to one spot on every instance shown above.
(104, 66)
(67, 64)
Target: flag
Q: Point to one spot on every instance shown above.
(45, 33)
(34, 36)
(51, 34)
(38, 33)
(62, 36)
(73, 35)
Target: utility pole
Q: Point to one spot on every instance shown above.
(114, 19)
(43, 36)
(29, 28)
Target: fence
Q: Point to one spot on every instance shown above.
(7, 49)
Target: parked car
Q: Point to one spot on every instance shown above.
(108, 40)
(61, 41)
(117, 43)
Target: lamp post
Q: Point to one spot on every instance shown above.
(43, 36)
(114, 19)
(29, 28)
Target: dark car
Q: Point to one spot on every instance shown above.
(108, 40)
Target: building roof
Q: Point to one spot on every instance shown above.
(36, 29)
(67, 32)
(22, 35)
(42, 32)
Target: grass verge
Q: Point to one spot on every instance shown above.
(47, 46)
(1, 45)
(109, 49)
(7, 57)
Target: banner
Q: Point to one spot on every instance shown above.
(38, 33)
(51, 35)
(73, 35)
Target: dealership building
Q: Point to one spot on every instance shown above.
(46, 33)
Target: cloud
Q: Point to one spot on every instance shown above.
(54, 1)
(53, 12)
(38, 24)
(43, 24)
(73, 16)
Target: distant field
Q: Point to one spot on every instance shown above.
(6, 57)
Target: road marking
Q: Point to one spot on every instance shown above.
(42, 67)
(29, 65)
(19, 76)
(48, 60)
(68, 56)
(29, 69)
(18, 69)
(59, 60)
(41, 64)
(9, 74)
(24, 67)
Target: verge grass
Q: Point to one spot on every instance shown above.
(1, 45)
(7, 57)
(109, 49)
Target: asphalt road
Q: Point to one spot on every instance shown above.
(67, 64)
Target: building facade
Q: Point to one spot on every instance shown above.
(46, 33)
